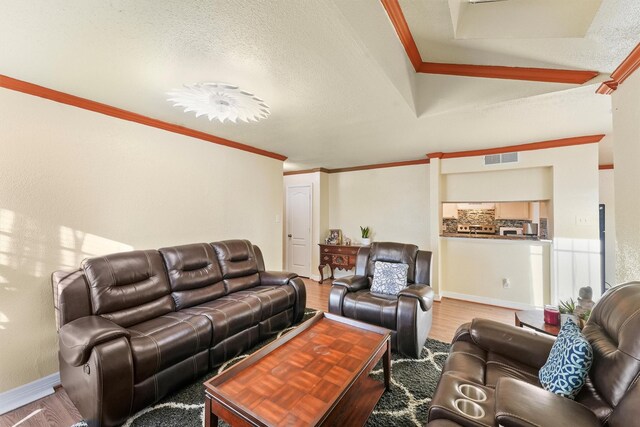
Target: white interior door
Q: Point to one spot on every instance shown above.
(299, 230)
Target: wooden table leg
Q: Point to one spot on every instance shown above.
(321, 270)
(386, 362)
(210, 419)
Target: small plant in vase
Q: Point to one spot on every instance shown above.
(365, 235)
(567, 311)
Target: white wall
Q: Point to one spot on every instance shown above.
(626, 152)
(74, 184)
(607, 198)
(574, 227)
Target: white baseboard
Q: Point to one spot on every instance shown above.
(314, 277)
(488, 301)
(20, 396)
(437, 297)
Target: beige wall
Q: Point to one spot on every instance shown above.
(626, 154)
(392, 202)
(608, 199)
(75, 183)
(475, 269)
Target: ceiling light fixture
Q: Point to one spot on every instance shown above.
(220, 101)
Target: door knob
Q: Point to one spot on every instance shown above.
(289, 235)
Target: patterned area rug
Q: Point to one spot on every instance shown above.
(413, 384)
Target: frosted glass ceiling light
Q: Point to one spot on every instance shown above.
(219, 101)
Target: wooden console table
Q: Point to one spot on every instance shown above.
(337, 256)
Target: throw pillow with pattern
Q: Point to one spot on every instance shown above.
(568, 364)
(389, 278)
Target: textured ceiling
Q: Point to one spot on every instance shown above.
(340, 87)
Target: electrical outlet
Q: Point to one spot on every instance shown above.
(506, 283)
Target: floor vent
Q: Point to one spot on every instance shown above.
(496, 159)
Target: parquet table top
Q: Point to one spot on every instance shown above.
(302, 377)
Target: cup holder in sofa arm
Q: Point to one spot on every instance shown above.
(469, 408)
(472, 392)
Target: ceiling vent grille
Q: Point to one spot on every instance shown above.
(496, 159)
(509, 157)
(492, 159)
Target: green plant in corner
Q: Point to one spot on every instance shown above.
(567, 307)
(365, 232)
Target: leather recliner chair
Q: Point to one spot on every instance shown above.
(503, 362)
(408, 315)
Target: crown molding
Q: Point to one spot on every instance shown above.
(361, 168)
(541, 145)
(630, 64)
(550, 75)
(287, 173)
(381, 166)
(394, 11)
(404, 33)
(605, 167)
(87, 104)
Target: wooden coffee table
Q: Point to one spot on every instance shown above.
(317, 374)
(534, 319)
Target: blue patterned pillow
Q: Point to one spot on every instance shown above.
(568, 364)
(389, 277)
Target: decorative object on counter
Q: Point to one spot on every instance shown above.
(347, 241)
(551, 315)
(366, 241)
(567, 311)
(335, 237)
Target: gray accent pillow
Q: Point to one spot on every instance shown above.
(389, 278)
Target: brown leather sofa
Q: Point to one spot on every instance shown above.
(134, 326)
(503, 361)
(407, 315)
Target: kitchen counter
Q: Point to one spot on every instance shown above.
(493, 236)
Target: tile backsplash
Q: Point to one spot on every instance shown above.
(487, 217)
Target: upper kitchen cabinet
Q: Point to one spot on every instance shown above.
(450, 210)
(512, 210)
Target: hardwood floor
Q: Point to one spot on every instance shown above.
(448, 314)
(57, 409)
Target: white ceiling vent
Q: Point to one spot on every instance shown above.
(509, 157)
(496, 159)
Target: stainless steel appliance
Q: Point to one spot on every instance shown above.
(510, 231)
(476, 229)
(530, 229)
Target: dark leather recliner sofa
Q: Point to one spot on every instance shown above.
(503, 362)
(408, 315)
(134, 326)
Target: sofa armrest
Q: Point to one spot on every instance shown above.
(520, 404)
(79, 337)
(276, 278)
(352, 283)
(522, 345)
(423, 293)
